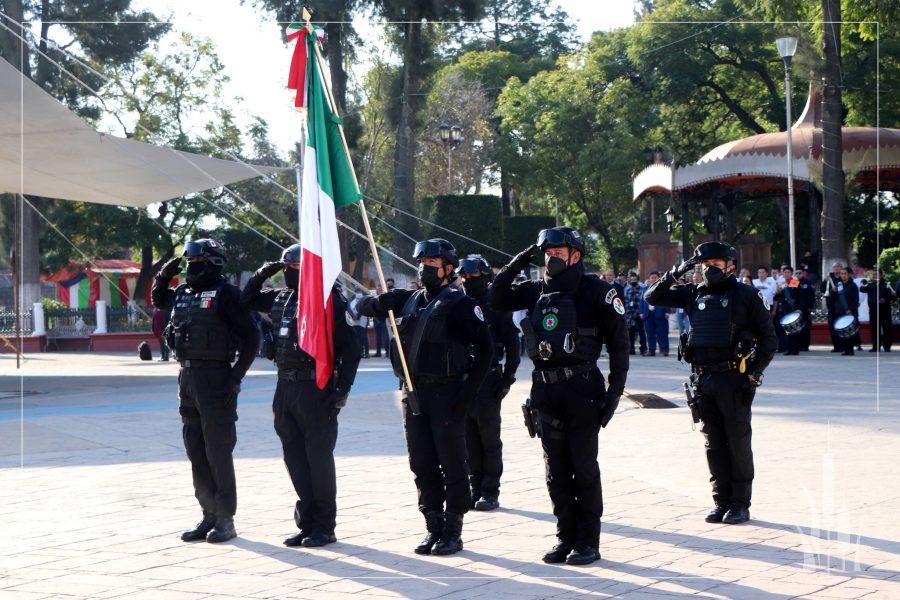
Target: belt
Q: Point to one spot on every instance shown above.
(307, 374)
(562, 373)
(200, 362)
(721, 367)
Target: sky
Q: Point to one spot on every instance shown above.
(256, 61)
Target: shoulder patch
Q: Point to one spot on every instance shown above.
(348, 318)
(764, 301)
(610, 295)
(618, 306)
(479, 313)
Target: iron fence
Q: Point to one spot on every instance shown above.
(70, 317)
(8, 323)
(127, 318)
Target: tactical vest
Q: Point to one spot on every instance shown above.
(284, 321)
(196, 330)
(560, 342)
(439, 354)
(711, 324)
(493, 322)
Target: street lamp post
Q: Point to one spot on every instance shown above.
(787, 46)
(451, 137)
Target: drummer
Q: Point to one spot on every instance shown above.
(790, 299)
(844, 297)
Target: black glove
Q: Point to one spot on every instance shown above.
(337, 401)
(268, 269)
(170, 269)
(522, 259)
(610, 404)
(684, 267)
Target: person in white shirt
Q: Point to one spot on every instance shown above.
(765, 284)
(360, 324)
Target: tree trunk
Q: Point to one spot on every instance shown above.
(334, 50)
(834, 247)
(405, 152)
(504, 193)
(815, 235)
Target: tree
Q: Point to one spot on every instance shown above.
(105, 32)
(415, 37)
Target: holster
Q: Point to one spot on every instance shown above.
(532, 419)
(531, 344)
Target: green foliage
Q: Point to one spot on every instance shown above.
(889, 261)
(474, 215)
(521, 231)
(52, 305)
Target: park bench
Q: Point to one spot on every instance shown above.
(78, 331)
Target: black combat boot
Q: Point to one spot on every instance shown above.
(716, 514)
(223, 531)
(558, 554)
(199, 532)
(487, 503)
(736, 515)
(296, 540)
(583, 555)
(314, 540)
(434, 524)
(451, 540)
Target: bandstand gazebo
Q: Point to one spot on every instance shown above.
(756, 167)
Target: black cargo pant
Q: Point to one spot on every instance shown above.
(436, 441)
(725, 412)
(570, 453)
(483, 440)
(208, 413)
(307, 426)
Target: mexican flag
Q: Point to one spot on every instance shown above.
(328, 184)
(76, 292)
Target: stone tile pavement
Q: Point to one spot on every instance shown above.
(94, 506)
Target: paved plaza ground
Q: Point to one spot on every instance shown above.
(94, 505)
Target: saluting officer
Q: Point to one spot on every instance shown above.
(483, 419)
(306, 416)
(207, 326)
(449, 350)
(731, 342)
(572, 315)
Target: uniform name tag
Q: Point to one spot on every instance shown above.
(208, 294)
(283, 332)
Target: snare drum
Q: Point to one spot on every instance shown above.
(846, 326)
(792, 322)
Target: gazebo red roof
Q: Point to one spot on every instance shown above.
(759, 161)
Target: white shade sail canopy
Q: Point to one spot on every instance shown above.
(47, 150)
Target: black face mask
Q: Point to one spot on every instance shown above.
(713, 275)
(428, 277)
(634, 283)
(476, 286)
(202, 273)
(555, 266)
(292, 277)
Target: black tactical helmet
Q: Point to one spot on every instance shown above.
(708, 250)
(475, 264)
(557, 237)
(291, 254)
(437, 248)
(207, 248)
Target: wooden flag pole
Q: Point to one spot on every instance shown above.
(411, 398)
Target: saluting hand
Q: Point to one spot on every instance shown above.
(523, 258)
(684, 267)
(171, 268)
(268, 269)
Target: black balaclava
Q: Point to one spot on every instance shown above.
(563, 280)
(292, 277)
(476, 287)
(715, 277)
(429, 278)
(202, 274)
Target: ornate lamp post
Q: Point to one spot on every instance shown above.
(787, 46)
(451, 137)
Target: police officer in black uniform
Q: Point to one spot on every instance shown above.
(207, 326)
(305, 416)
(572, 315)
(483, 419)
(731, 342)
(449, 350)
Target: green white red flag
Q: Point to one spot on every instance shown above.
(328, 184)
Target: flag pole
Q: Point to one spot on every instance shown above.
(411, 397)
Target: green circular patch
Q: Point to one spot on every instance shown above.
(550, 322)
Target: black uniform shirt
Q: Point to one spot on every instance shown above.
(594, 297)
(230, 310)
(750, 312)
(467, 327)
(347, 350)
